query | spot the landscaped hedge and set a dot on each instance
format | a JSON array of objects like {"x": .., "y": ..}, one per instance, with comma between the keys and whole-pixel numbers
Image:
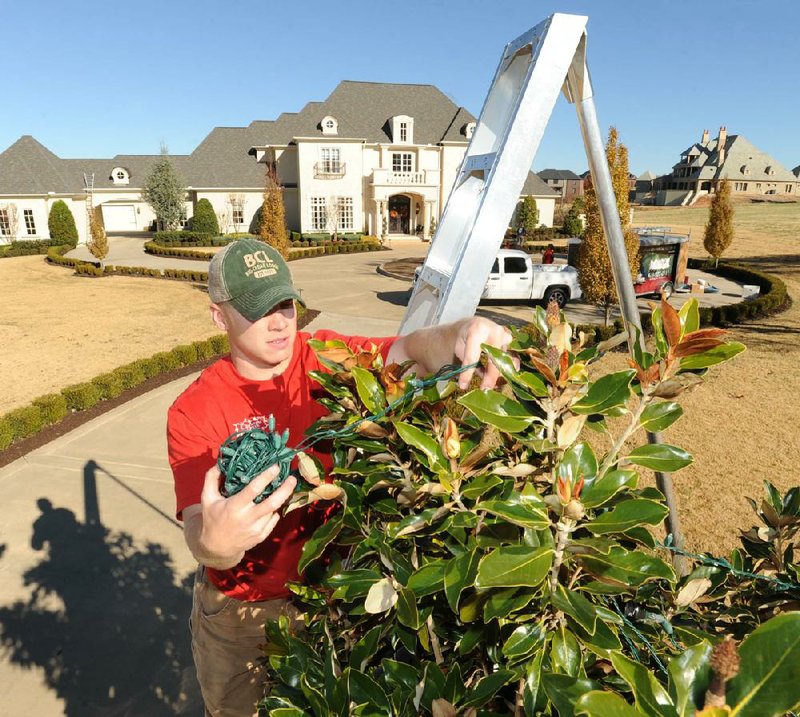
[
  {"x": 51, "y": 408},
  {"x": 183, "y": 238},
  {"x": 27, "y": 247},
  {"x": 344, "y": 247}
]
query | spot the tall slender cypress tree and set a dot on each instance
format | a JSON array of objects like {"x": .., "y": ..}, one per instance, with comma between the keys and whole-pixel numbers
[{"x": 719, "y": 229}]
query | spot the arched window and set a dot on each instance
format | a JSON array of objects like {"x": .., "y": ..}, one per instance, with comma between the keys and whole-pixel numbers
[
  {"x": 120, "y": 175},
  {"x": 329, "y": 125}
]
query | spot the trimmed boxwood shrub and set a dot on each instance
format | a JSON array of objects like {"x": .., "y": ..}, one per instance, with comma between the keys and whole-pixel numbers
[
  {"x": 81, "y": 396},
  {"x": 220, "y": 343},
  {"x": 53, "y": 407},
  {"x": 25, "y": 421},
  {"x": 166, "y": 361},
  {"x": 185, "y": 353},
  {"x": 204, "y": 350},
  {"x": 109, "y": 384},
  {"x": 27, "y": 247},
  {"x": 147, "y": 366},
  {"x": 130, "y": 376},
  {"x": 183, "y": 238},
  {"x": 6, "y": 433}
]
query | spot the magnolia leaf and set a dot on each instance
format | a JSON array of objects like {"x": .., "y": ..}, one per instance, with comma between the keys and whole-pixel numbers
[
  {"x": 370, "y": 429},
  {"x": 316, "y": 544},
  {"x": 768, "y": 682},
  {"x": 689, "y": 315},
  {"x": 693, "y": 590},
  {"x": 598, "y": 492},
  {"x": 628, "y": 514},
  {"x": 604, "y": 704},
  {"x": 650, "y": 697},
  {"x": 308, "y": 468},
  {"x": 713, "y": 356},
  {"x": 578, "y": 461},
  {"x": 428, "y": 579},
  {"x": 418, "y": 438},
  {"x": 623, "y": 568},
  {"x": 514, "y": 566},
  {"x": 520, "y": 470},
  {"x": 495, "y": 409},
  {"x": 687, "y": 672},
  {"x": 660, "y": 416},
  {"x": 407, "y": 613},
  {"x": 442, "y": 708},
  {"x": 520, "y": 513},
  {"x": 607, "y": 392},
  {"x": 458, "y": 575},
  {"x": 369, "y": 390},
  {"x": 660, "y": 457},
  {"x": 564, "y": 691},
  {"x": 351, "y": 584},
  {"x": 326, "y": 491},
  {"x": 487, "y": 688},
  {"x": 675, "y": 386},
  {"x": 381, "y": 597},
  {"x": 671, "y": 322},
  {"x": 569, "y": 430},
  {"x": 523, "y": 641}
]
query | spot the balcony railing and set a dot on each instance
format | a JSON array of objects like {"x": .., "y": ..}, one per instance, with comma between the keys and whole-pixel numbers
[
  {"x": 405, "y": 178},
  {"x": 329, "y": 170}
]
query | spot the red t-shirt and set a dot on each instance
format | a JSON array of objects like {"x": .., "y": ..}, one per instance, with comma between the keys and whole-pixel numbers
[{"x": 221, "y": 402}]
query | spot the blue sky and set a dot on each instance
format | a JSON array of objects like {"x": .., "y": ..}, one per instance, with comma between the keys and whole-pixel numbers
[{"x": 98, "y": 78}]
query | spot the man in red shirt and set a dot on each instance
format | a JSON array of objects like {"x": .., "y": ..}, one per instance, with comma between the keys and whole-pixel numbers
[{"x": 247, "y": 551}]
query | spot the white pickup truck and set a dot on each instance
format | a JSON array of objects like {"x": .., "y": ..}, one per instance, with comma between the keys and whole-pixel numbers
[{"x": 515, "y": 276}]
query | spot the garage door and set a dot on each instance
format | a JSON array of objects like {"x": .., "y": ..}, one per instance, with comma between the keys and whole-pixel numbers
[{"x": 119, "y": 217}]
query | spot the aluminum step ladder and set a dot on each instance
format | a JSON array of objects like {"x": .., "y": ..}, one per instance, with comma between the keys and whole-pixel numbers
[{"x": 548, "y": 59}]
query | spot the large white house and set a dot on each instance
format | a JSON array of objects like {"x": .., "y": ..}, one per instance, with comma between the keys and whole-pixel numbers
[{"x": 377, "y": 158}]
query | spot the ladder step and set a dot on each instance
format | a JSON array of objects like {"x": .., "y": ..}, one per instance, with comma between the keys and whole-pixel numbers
[{"x": 480, "y": 162}]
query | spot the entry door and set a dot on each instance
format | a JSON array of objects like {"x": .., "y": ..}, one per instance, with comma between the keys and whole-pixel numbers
[{"x": 399, "y": 214}]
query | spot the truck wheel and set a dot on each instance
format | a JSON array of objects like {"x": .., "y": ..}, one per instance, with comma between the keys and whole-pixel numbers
[{"x": 558, "y": 294}]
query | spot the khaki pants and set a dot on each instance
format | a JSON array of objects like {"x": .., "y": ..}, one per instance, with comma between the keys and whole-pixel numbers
[{"x": 228, "y": 647}]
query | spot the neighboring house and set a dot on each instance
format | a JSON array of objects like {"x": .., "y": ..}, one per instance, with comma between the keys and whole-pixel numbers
[
  {"x": 545, "y": 198},
  {"x": 645, "y": 188},
  {"x": 703, "y": 165},
  {"x": 564, "y": 181},
  {"x": 378, "y": 158}
]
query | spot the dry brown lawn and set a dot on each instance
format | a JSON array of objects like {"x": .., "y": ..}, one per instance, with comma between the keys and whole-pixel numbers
[
  {"x": 57, "y": 329},
  {"x": 741, "y": 426}
]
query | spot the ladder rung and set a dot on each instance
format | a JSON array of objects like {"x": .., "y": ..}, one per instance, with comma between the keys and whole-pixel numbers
[{"x": 480, "y": 162}]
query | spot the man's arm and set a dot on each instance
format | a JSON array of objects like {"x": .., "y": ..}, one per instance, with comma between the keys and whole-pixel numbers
[
  {"x": 433, "y": 347},
  {"x": 218, "y": 530}
]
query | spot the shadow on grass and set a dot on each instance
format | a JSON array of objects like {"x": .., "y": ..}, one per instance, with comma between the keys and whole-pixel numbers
[{"x": 105, "y": 621}]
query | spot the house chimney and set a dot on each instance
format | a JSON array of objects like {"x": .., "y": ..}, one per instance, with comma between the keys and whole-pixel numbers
[
  {"x": 723, "y": 137},
  {"x": 704, "y": 141}
]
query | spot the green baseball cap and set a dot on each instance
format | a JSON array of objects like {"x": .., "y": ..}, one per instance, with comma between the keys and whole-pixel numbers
[{"x": 252, "y": 276}]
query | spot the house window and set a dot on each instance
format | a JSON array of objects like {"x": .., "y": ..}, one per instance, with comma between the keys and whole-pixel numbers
[
  {"x": 30, "y": 224},
  {"x": 404, "y": 131},
  {"x": 402, "y": 162},
  {"x": 238, "y": 214},
  {"x": 330, "y": 160},
  {"x": 318, "y": 214},
  {"x": 345, "y": 213},
  {"x": 329, "y": 125},
  {"x": 119, "y": 175},
  {"x": 788, "y": 188},
  {"x": 5, "y": 224}
]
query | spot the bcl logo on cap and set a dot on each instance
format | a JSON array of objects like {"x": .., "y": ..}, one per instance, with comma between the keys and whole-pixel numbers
[{"x": 259, "y": 264}]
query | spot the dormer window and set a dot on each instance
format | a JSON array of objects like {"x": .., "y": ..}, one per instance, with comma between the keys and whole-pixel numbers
[
  {"x": 120, "y": 175},
  {"x": 745, "y": 169},
  {"x": 403, "y": 129},
  {"x": 330, "y": 125},
  {"x": 469, "y": 128},
  {"x": 769, "y": 170}
]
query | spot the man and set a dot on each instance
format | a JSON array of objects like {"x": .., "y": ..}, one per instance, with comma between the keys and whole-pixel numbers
[{"x": 247, "y": 552}]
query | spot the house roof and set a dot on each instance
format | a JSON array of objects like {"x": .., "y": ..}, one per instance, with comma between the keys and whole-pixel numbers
[
  {"x": 742, "y": 161},
  {"x": 535, "y": 187},
  {"x": 362, "y": 109},
  {"x": 558, "y": 174},
  {"x": 796, "y": 171},
  {"x": 646, "y": 176}
]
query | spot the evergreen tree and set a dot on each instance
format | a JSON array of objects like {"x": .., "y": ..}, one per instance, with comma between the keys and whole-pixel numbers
[
  {"x": 594, "y": 262},
  {"x": 273, "y": 219},
  {"x": 719, "y": 230},
  {"x": 164, "y": 192},
  {"x": 204, "y": 219},
  {"x": 573, "y": 226},
  {"x": 528, "y": 215},
  {"x": 61, "y": 224},
  {"x": 98, "y": 243}
]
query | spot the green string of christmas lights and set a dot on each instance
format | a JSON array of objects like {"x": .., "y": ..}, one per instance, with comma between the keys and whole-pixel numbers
[{"x": 246, "y": 454}]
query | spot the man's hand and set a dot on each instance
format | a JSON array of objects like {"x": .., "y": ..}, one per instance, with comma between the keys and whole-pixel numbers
[
  {"x": 435, "y": 346},
  {"x": 471, "y": 334},
  {"x": 230, "y": 526}
]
